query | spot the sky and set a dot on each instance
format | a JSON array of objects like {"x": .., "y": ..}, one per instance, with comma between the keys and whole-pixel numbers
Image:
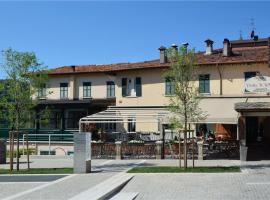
[{"x": 72, "y": 33}]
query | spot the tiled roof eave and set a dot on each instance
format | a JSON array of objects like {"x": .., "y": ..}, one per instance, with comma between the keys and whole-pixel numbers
[
  {"x": 110, "y": 71},
  {"x": 155, "y": 67},
  {"x": 233, "y": 62}
]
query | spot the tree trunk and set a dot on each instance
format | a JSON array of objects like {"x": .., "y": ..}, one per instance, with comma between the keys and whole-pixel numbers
[
  {"x": 185, "y": 145},
  {"x": 18, "y": 151},
  {"x": 185, "y": 136},
  {"x": 27, "y": 150},
  {"x": 11, "y": 150},
  {"x": 18, "y": 143},
  {"x": 179, "y": 149}
]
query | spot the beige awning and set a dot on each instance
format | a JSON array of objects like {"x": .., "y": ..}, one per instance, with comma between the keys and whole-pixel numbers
[{"x": 220, "y": 110}]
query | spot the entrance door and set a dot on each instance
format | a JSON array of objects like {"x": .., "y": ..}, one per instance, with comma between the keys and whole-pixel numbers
[{"x": 251, "y": 129}]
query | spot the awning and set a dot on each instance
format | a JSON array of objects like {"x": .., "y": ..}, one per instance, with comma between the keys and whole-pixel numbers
[
  {"x": 220, "y": 110},
  {"x": 118, "y": 114}
]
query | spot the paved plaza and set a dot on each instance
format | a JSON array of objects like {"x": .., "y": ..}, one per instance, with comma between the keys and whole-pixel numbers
[{"x": 252, "y": 183}]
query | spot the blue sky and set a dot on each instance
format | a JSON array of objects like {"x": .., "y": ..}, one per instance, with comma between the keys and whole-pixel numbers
[{"x": 68, "y": 33}]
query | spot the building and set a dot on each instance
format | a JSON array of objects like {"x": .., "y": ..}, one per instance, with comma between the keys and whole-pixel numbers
[{"x": 233, "y": 112}]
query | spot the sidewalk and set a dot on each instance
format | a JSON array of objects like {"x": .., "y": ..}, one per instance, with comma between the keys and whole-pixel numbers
[
  {"x": 256, "y": 180},
  {"x": 67, "y": 161}
]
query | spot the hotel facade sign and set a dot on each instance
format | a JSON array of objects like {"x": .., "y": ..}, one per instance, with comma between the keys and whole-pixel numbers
[{"x": 258, "y": 84}]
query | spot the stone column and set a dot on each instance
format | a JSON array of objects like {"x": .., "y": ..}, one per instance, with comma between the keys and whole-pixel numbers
[
  {"x": 200, "y": 150},
  {"x": 3, "y": 148},
  {"x": 159, "y": 149},
  {"x": 82, "y": 152},
  {"x": 118, "y": 149},
  {"x": 242, "y": 138}
]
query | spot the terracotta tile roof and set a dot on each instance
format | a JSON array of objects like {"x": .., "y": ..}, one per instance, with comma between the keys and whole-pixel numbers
[
  {"x": 108, "y": 67},
  {"x": 240, "y": 55}
]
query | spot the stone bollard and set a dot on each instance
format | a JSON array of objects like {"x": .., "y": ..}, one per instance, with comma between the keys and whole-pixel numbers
[
  {"x": 82, "y": 152},
  {"x": 118, "y": 149},
  {"x": 159, "y": 149},
  {"x": 3, "y": 148},
  {"x": 200, "y": 150}
]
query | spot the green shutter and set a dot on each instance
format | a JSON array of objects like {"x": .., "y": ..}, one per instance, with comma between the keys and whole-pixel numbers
[
  {"x": 207, "y": 84},
  {"x": 124, "y": 87},
  {"x": 138, "y": 87},
  {"x": 204, "y": 83},
  {"x": 167, "y": 89}
]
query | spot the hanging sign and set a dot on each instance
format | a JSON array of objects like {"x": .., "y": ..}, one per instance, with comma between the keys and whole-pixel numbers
[{"x": 258, "y": 84}]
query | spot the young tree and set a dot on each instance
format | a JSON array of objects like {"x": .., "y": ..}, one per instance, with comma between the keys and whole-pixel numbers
[
  {"x": 24, "y": 77},
  {"x": 184, "y": 104}
]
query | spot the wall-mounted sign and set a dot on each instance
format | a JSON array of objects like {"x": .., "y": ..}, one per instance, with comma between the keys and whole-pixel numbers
[{"x": 258, "y": 84}]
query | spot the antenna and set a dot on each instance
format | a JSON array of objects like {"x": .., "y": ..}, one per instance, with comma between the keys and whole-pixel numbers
[
  {"x": 240, "y": 35},
  {"x": 253, "y": 28},
  {"x": 252, "y": 24}
]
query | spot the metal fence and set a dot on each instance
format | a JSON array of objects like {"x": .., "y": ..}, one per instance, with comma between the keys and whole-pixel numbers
[
  {"x": 46, "y": 138},
  {"x": 103, "y": 150},
  {"x": 138, "y": 151}
]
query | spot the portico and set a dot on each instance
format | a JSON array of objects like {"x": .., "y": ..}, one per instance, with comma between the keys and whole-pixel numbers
[{"x": 254, "y": 130}]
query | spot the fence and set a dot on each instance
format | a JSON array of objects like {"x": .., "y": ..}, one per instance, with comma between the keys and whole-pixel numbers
[
  {"x": 46, "y": 137},
  {"x": 138, "y": 151},
  {"x": 103, "y": 150},
  {"x": 221, "y": 150},
  {"x": 172, "y": 150},
  {"x": 151, "y": 150}
]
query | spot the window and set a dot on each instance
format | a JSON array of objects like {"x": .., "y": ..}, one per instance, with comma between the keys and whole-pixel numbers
[
  {"x": 110, "y": 89},
  {"x": 132, "y": 87},
  {"x": 53, "y": 121},
  {"x": 138, "y": 86},
  {"x": 73, "y": 117},
  {"x": 249, "y": 75},
  {"x": 169, "y": 86},
  {"x": 131, "y": 125},
  {"x": 204, "y": 83},
  {"x": 42, "y": 91},
  {"x": 86, "y": 89},
  {"x": 63, "y": 90},
  {"x": 47, "y": 153}
]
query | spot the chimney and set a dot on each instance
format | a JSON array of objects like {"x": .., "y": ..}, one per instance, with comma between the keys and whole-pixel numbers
[
  {"x": 73, "y": 68},
  {"x": 174, "y": 51},
  {"x": 185, "y": 46},
  {"x": 209, "y": 47},
  {"x": 162, "y": 54},
  {"x": 175, "y": 47},
  {"x": 227, "y": 51}
]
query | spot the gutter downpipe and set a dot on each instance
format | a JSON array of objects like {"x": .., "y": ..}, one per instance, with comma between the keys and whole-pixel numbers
[{"x": 221, "y": 80}]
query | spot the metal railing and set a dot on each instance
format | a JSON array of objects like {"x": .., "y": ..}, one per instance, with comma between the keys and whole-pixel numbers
[{"x": 49, "y": 139}]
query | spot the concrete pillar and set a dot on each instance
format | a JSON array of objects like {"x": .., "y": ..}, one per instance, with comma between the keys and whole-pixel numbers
[
  {"x": 159, "y": 149},
  {"x": 118, "y": 149},
  {"x": 82, "y": 152},
  {"x": 200, "y": 150},
  {"x": 3, "y": 148}
]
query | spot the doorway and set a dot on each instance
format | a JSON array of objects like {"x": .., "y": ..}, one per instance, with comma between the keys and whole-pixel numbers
[
  {"x": 257, "y": 130},
  {"x": 251, "y": 130}
]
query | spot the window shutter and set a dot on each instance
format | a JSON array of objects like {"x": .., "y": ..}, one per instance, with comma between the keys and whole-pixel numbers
[
  {"x": 167, "y": 90},
  {"x": 124, "y": 87},
  {"x": 201, "y": 84},
  {"x": 207, "y": 84},
  {"x": 138, "y": 87}
]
